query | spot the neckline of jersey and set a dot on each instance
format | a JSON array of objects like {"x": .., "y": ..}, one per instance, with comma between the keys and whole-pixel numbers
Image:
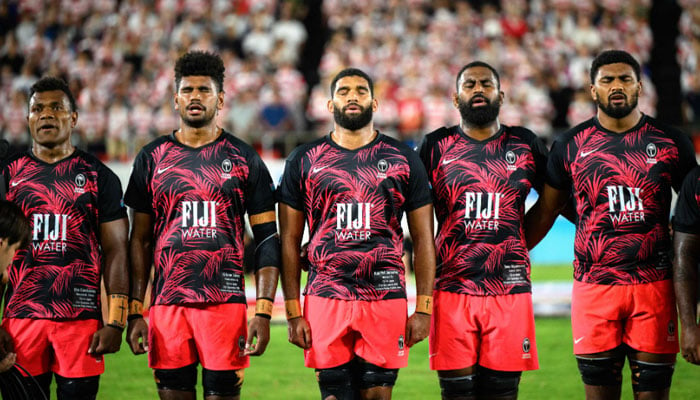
[
  {"x": 39, "y": 160},
  {"x": 368, "y": 145},
  {"x": 639, "y": 124},
  {"x": 178, "y": 143},
  {"x": 487, "y": 140}
]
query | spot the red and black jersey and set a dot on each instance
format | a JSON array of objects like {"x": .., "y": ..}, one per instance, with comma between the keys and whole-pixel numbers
[
  {"x": 479, "y": 192},
  {"x": 687, "y": 215},
  {"x": 198, "y": 198},
  {"x": 58, "y": 276},
  {"x": 353, "y": 201},
  {"x": 621, "y": 185}
]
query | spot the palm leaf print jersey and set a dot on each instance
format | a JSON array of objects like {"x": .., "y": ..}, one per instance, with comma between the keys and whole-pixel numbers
[
  {"x": 479, "y": 191},
  {"x": 58, "y": 276},
  {"x": 353, "y": 201},
  {"x": 621, "y": 185},
  {"x": 198, "y": 198}
]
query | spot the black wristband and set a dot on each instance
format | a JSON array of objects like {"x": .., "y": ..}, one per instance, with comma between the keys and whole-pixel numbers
[
  {"x": 117, "y": 327},
  {"x": 263, "y": 315},
  {"x": 132, "y": 317}
]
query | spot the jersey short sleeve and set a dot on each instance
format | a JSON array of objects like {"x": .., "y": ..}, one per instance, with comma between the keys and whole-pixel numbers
[
  {"x": 687, "y": 216},
  {"x": 109, "y": 196},
  {"x": 260, "y": 189},
  {"x": 418, "y": 194},
  {"x": 556, "y": 173},
  {"x": 138, "y": 195},
  {"x": 289, "y": 190}
]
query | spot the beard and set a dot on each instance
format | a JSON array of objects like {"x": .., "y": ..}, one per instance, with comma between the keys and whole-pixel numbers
[
  {"x": 199, "y": 121},
  {"x": 620, "y": 111},
  {"x": 352, "y": 122},
  {"x": 478, "y": 116}
]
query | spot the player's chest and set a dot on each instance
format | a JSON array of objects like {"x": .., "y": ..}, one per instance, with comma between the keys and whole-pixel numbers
[
  {"x": 224, "y": 174},
  {"x": 50, "y": 188}
]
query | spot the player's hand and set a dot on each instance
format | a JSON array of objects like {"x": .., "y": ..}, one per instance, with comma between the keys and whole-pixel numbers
[
  {"x": 690, "y": 344},
  {"x": 258, "y": 336},
  {"x": 7, "y": 362},
  {"x": 299, "y": 332},
  {"x": 417, "y": 328},
  {"x": 7, "y": 345},
  {"x": 137, "y": 335},
  {"x": 106, "y": 340}
]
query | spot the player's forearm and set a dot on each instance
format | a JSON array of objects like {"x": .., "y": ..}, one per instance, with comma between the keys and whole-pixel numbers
[
  {"x": 266, "y": 282},
  {"x": 424, "y": 265},
  {"x": 685, "y": 276},
  {"x": 291, "y": 268},
  {"x": 114, "y": 237},
  {"x": 141, "y": 252}
]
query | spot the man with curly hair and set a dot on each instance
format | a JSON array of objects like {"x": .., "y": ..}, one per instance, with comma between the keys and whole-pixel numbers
[{"x": 189, "y": 192}]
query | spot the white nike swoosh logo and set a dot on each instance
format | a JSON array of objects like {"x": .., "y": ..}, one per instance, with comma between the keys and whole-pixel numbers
[
  {"x": 445, "y": 162},
  {"x": 585, "y": 153},
  {"x": 161, "y": 170},
  {"x": 578, "y": 340},
  {"x": 315, "y": 170},
  {"x": 15, "y": 183}
]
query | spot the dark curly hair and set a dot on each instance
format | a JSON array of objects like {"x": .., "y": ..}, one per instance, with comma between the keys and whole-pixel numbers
[
  {"x": 475, "y": 64},
  {"x": 613, "y": 57},
  {"x": 200, "y": 63},
  {"x": 50, "y": 83},
  {"x": 352, "y": 72}
]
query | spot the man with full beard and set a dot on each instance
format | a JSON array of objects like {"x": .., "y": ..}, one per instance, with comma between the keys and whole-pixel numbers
[
  {"x": 189, "y": 192},
  {"x": 620, "y": 167},
  {"x": 482, "y": 334},
  {"x": 352, "y": 187}
]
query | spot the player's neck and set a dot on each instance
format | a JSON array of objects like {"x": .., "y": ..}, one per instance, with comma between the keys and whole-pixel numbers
[
  {"x": 619, "y": 125},
  {"x": 352, "y": 140},
  {"x": 197, "y": 137},
  {"x": 480, "y": 132},
  {"x": 52, "y": 154}
]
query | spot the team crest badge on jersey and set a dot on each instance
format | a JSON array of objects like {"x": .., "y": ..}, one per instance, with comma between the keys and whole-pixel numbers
[
  {"x": 80, "y": 181},
  {"x": 651, "y": 153},
  {"x": 226, "y": 166},
  {"x": 510, "y": 159},
  {"x": 401, "y": 345},
  {"x": 526, "y": 348},
  {"x": 382, "y": 166}
]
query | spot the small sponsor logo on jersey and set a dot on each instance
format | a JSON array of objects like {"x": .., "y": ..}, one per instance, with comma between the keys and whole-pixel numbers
[
  {"x": 651, "y": 151},
  {"x": 318, "y": 169},
  {"x": 482, "y": 210},
  {"x": 198, "y": 219},
  {"x": 382, "y": 166},
  {"x": 15, "y": 183},
  {"x": 49, "y": 232},
  {"x": 526, "y": 345},
  {"x": 577, "y": 340},
  {"x": 588, "y": 153},
  {"x": 625, "y": 204},
  {"x": 401, "y": 345},
  {"x": 353, "y": 221},
  {"x": 161, "y": 170},
  {"x": 510, "y": 159},
  {"x": 80, "y": 182},
  {"x": 241, "y": 344},
  {"x": 226, "y": 166},
  {"x": 445, "y": 162}
]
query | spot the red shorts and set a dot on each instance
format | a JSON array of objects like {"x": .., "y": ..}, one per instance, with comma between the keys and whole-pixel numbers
[
  {"x": 43, "y": 346},
  {"x": 213, "y": 335},
  {"x": 496, "y": 332},
  {"x": 341, "y": 330},
  {"x": 642, "y": 316}
]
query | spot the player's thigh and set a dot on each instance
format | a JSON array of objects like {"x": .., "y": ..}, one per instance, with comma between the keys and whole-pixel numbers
[
  {"x": 597, "y": 316},
  {"x": 381, "y": 328},
  {"x": 220, "y": 334},
  {"x": 170, "y": 339},
  {"x": 651, "y": 326},
  {"x": 454, "y": 333},
  {"x": 32, "y": 346},
  {"x": 508, "y": 333},
  {"x": 70, "y": 341},
  {"x": 332, "y": 341}
]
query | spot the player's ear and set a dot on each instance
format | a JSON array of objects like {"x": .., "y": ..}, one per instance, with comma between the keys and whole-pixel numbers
[
  {"x": 594, "y": 95},
  {"x": 375, "y": 105},
  {"x": 220, "y": 102},
  {"x": 73, "y": 119},
  {"x": 330, "y": 106},
  {"x": 455, "y": 100}
]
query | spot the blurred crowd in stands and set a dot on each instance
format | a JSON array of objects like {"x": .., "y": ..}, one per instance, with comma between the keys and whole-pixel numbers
[{"x": 117, "y": 56}]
